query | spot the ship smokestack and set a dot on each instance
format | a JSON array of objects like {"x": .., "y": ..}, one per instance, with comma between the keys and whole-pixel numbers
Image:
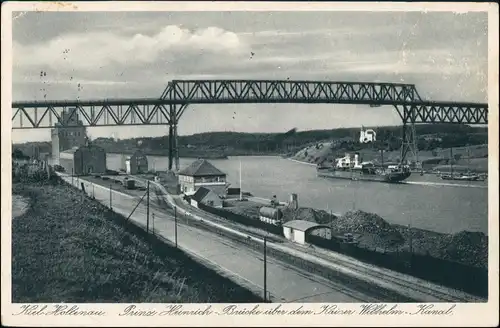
[{"x": 294, "y": 201}]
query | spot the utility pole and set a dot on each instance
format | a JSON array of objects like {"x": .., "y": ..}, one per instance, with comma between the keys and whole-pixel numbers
[
  {"x": 411, "y": 238},
  {"x": 153, "y": 218},
  {"x": 265, "y": 269},
  {"x": 175, "y": 223},
  {"x": 46, "y": 162},
  {"x": 147, "y": 209},
  {"x": 71, "y": 176},
  {"x": 110, "y": 196},
  {"x": 411, "y": 243},
  {"x": 331, "y": 225}
]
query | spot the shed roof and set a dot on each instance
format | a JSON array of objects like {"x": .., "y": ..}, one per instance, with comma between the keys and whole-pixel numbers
[
  {"x": 200, "y": 168},
  {"x": 303, "y": 225},
  {"x": 200, "y": 194}
]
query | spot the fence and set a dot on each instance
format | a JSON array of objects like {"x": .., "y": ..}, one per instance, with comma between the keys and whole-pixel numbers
[
  {"x": 242, "y": 219},
  {"x": 163, "y": 246},
  {"x": 440, "y": 271}
]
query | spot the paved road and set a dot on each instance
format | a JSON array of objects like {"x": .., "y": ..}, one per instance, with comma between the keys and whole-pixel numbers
[{"x": 285, "y": 284}]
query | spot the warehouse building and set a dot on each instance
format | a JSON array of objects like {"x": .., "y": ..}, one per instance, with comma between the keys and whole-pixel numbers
[
  {"x": 199, "y": 174},
  {"x": 137, "y": 163},
  {"x": 68, "y": 136},
  {"x": 206, "y": 197},
  {"x": 83, "y": 160},
  {"x": 298, "y": 230}
]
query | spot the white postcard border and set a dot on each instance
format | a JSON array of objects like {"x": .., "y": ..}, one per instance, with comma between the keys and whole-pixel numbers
[{"x": 479, "y": 314}]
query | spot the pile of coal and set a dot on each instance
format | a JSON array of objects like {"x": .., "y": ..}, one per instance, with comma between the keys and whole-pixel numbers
[
  {"x": 308, "y": 214},
  {"x": 361, "y": 223},
  {"x": 466, "y": 247}
]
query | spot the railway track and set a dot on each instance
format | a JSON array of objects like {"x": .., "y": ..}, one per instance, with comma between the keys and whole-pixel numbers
[
  {"x": 410, "y": 288},
  {"x": 405, "y": 285}
]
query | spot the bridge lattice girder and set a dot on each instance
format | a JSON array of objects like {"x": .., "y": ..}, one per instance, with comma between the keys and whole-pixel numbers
[
  {"x": 92, "y": 113},
  {"x": 180, "y": 93},
  {"x": 443, "y": 112},
  {"x": 285, "y": 91}
]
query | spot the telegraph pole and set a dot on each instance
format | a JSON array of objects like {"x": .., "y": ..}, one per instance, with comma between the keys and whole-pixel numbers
[
  {"x": 265, "y": 269},
  {"x": 175, "y": 222},
  {"x": 153, "y": 218},
  {"x": 110, "y": 196},
  {"x": 411, "y": 243},
  {"x": 147, "y": 210},
  {"x": 331, "y": 225},
  {"x": 411, "y": 238}
]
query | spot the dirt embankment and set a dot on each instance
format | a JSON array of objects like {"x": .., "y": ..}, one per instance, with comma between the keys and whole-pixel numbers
[{"x": 72, "y": 249}]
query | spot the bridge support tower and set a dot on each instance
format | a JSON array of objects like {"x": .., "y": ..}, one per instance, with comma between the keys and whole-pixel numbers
[
  {"x": 409, "y": 147},
  {"x": 175, "y": 113}
]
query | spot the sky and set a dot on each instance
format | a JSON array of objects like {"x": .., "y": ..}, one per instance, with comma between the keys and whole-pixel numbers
[{"x": 134, "y": 54}]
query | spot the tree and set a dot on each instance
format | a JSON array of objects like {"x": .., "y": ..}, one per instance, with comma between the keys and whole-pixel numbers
[{"x": 18, "y": 154}]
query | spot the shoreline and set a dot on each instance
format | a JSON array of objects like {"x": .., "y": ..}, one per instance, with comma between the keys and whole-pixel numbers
[
  {"x": 300, "y": 162},
  {"x": 417, "y": 183},
  {"x": 166, "y": 155}
]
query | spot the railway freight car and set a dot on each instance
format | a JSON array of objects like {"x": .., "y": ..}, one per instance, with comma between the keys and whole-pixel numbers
[{"x": 271, "y": 215}]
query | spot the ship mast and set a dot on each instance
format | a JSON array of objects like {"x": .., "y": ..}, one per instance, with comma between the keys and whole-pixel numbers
[
  {"x": 451, "y": 161},
  {"x": 241, "y": 190},
  {"x": 468, "y": 159}
]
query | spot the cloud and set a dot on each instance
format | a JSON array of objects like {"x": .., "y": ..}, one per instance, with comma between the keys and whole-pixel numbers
[
  {"x": 444, "y": 55},
  {"x": 83, "y": 51}
]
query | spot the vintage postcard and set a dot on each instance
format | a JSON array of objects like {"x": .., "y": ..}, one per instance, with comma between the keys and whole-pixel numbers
[{"x": 249, "y": 164}]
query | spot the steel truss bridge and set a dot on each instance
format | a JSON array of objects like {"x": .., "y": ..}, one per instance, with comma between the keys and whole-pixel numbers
[{"x": 179, "y": 94}]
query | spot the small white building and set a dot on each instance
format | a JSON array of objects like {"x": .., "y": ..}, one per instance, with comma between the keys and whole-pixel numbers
[
  {"x": 297, "y": 230},
  {"x": 367, "y": 136}
]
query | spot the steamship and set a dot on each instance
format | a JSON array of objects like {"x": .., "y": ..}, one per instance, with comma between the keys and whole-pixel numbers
[{"x": 350, "y": 167}]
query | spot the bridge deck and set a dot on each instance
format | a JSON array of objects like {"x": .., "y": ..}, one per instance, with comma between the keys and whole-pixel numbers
[{"x": 169, "y": 107}]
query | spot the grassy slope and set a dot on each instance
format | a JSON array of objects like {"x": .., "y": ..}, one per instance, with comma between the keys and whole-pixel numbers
[{"x": 65, "y": 248}]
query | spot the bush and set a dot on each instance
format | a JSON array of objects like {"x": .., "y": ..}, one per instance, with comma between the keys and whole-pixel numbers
[{"x": 31, "y": 173}]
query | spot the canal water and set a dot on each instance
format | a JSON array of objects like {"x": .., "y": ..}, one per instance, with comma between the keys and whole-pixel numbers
[{"x": 426, "y": 203}]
